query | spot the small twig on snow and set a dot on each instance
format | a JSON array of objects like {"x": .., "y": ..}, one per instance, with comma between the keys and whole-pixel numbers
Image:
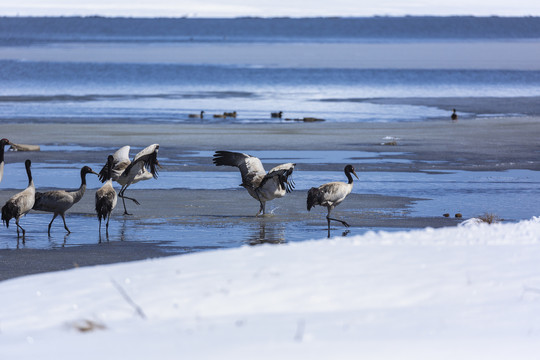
[{"x": 128, "y": 299}]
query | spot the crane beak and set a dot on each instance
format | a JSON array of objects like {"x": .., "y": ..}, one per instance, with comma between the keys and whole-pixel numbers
[{"x": 355, "y": 175}]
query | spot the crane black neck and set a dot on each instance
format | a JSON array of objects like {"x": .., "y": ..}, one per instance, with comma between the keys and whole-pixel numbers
[
  {"x": 2, "y": 152},
  {"x": 84, "y": 171},
  {"x": 28, "y": 171},
  {"x": 349, "y": 177}
]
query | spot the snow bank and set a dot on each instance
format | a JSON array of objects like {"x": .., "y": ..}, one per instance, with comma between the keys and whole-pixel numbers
[{"x": 453, "y": 293}]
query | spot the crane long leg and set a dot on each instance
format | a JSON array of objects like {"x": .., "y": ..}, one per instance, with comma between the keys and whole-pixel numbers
[
  {"x": 328, "y": 218},
  {"x": 65, "y": 225},
  {"x": 261, "y": 209},
  {"x": 99, "y": 232},
  {"x": 19, "y": 226},
  {"x": 341, "y": 221},
  {"x": 121, "y": 194},
  {"x": 132, "y": 199},
  {"x": 50, "y": 224},
  {"x": 107, "y": 226},
  {"x": 125, "y": 210}
]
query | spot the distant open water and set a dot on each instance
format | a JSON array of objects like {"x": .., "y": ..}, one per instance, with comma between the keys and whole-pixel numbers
[
  {"x": 23, "y": 31},
  {"x": 145, "y": 90}
]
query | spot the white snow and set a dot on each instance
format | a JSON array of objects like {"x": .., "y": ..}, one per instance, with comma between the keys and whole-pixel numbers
[{"x": 470, "y": 292}]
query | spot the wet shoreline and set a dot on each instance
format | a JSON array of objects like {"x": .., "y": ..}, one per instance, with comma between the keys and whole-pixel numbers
[
  {"x": 192, "y": 220},
  {"x": 196, "y": 221}
]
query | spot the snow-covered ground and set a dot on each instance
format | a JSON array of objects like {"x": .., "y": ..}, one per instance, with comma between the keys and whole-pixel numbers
[{"x": 468, "y": 292}]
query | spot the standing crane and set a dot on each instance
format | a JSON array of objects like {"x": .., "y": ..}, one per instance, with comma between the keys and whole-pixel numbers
[
  {"x": 3, "y": 143},
  {"x": 331, "y": 195},
  {"x": 21, "y": 203},
  {"x": 126, "y": 172},
  {"x": 60, "y": 201},
  {"x": 106, "y": 197},
  {"x": 261, "y": 185}
]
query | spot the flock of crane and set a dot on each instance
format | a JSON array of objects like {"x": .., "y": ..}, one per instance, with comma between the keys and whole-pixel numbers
[{"x": 261, "y": 185}]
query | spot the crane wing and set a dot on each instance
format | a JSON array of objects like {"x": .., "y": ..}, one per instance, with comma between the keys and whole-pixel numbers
[
  {"x": 120, "y": 163},
  {"x": 281, "y": 173},
  {"x": 121, "y": 154},
  {"x": 146, "y": 151},
  {"x": 52, "y": 200},
  {"x": 105, "y": 174},
  {"x": 148, "y": 158},
  {"x": 251, "y": 168},
  {"x": 334, "y": 192}
]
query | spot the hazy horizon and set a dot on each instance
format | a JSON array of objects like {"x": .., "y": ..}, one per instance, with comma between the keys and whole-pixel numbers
[
  {"x": 267, "y": 17},
  {"x": 260, "y": 8}
]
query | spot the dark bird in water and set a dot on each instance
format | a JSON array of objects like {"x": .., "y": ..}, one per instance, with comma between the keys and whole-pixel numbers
[
  {"x": 261, "y": 185},
  {"x": 21, "y": 203},
  {"x": 106, "y": 197},
  {"x": 197, "y": 116},
  {"x": 454, "y": 115},
  {"x": 225, "y": 115},
  {"x": 3, "y": 143},
  {"x": 126, "y": 172},
  {"x": 60, "y": 201},
  {"x": 331, "y": 195},
  {"x": 277, "y": 114}
]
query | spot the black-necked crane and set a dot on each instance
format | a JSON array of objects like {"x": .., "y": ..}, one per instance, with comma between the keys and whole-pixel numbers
[
  {"x": 3, "y": 143},
  {"x": 261, "y": 185},
  {"x": 278, "y": 114},
  {"x": 60, "y": 201},
  {"x": 331, "y": 195},
  {"x": 126, "y": 172},
  {"x": 106, "y": 197},
  {"x": 197, "y": 116},
  {"x": 454, "y": 116},
  {"x": 21, "y": 203}
]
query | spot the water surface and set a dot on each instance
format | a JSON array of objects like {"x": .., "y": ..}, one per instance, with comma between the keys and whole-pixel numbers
[{"x": 161, "y": 70}]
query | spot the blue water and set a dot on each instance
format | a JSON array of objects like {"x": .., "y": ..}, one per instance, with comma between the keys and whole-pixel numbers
[
  {"x": 137, "y": 70},
  {"x": 22, "y": 31},
  {"x": 511, "y": 194}
]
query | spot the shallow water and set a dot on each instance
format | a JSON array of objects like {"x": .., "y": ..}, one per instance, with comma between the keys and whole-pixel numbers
[
  {"x": 314, "y": 156},
  {"x": 508, "y": 194},
  {"x": 55, "y": 173},
  {"x": 173, "y": 236}
]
